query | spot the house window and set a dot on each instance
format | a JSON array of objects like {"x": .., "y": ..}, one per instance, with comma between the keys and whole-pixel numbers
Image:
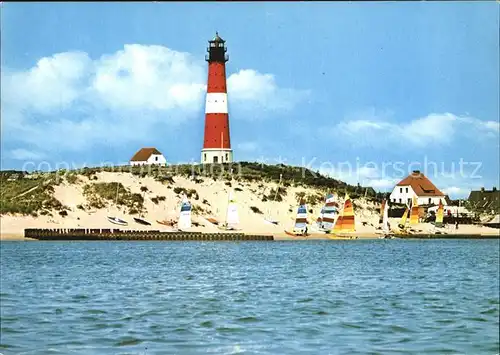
[
  {"x": 430, "y": 200},
  {"x": 401, "y": 190},
  {"x": 408, "y": 201},
  {"x": 156, "y": 158},
  {"x": 406, "y": 190},
  {"x": 400, "y": 200}
]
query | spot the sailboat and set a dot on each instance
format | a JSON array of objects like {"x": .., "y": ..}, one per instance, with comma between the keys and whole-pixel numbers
[
  {"x": 300, "y": 226},
  {"x": 184, "y": 221},
  {"x": 268, "y": 218},
  {"x": 345, "y": 222},
  {"x": 382, "y": 208},
  {"x": 414, "y": 212},
  {"x": 167, "y": 222},
  {"x": 402, "y": 223},
  {"x": 438, "y": 223},
  {"x": 386, "y": 229},
  {"x": 232, "y": 218},
  {"x": 439, "y": 215},
  {"x": 327, "y": 215},
  {"x": 114, "y": 219}
]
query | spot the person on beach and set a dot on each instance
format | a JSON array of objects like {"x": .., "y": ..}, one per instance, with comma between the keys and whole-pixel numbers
[
  {"x": 305, "y": 232},
  {"x": 456, "y": 224}
]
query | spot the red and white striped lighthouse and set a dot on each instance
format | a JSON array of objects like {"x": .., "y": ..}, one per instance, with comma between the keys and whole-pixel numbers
[{"x": 217, "y": 143}]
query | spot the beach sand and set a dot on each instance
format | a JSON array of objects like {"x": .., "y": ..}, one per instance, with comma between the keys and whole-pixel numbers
[{"x": 213, "y": 192}]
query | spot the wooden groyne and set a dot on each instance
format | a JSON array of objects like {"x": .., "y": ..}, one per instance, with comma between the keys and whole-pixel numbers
[{"x": 118, "y": 234}]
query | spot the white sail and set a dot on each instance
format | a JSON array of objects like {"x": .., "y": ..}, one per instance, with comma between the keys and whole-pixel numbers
[
  {"x": 232, "y": 217},
  {"x": 385, "y": 219},
  {"x": 185, "y": 215}
]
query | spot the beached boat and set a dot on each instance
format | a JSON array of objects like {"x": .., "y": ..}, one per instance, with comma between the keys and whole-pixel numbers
[
  {"x": 184, "y": 222},
  {"x": 142, "y": 221},
  {"x": 300, "y": 226},
  {"x": 117, "y": 220},
  {"x": 232, "y": 218},
  {"x": 328, "y": 214},
  {"x": 345, "y": 222},
  {"x": 170, "y": 223},
  {"x": 114, "y": 219}
]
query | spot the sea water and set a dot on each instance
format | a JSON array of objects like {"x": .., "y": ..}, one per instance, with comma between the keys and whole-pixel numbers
[{"x": 312, "y": 297}]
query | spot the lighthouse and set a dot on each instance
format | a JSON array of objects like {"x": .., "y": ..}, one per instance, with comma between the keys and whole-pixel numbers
[{"x": 216, "y": 142}]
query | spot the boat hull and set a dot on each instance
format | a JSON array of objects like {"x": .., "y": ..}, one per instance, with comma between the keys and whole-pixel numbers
[
  {"x": 142, "y": 221},
  {"x": 116, "y": 220}
]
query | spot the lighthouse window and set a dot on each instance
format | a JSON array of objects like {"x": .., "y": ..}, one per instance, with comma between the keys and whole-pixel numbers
[{"x": 226, "y": 157}]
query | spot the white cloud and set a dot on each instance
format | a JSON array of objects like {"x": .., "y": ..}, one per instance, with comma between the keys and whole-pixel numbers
[
  {"x": 250, "y": 89},
  {"x": 24, "y": 154},
  {"x": 454, "y": 190},
  {"x": 434, "y": 128},
  {"x": 70, "y": 101}
]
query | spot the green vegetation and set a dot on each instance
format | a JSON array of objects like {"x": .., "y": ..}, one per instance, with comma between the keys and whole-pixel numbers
[
  {"x": 188, "y": 192},
  {"x": 16, "y": 196},
  {"x": 157, "y": 199},
  {"x": 198, "y": 210},
  {"x": 28, "y": 196},
  {"x": 255, "y": 210},
  {"x": 99, "y": 195},
  {"x": 72, "y": 178}
]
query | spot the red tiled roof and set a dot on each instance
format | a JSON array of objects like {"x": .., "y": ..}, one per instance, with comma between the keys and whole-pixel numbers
[
  {"x": 420, "y": 184},
  {"x": 144, "y": 154}
]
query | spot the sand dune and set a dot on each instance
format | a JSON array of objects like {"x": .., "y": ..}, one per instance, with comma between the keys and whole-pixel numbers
[{"x": 212, "y": 198}]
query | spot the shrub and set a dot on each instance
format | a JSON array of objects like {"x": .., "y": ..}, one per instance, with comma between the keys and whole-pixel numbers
[
  {"x": 144, "y": 189},
  {"x": 228, "y": 183},
  {"x": 238, "y": 189},
  {"x": 63, "y": 213},
  {"x": 72, "y": 178},
  {"x": 165, "y": 179},
  {"x": 256, "y": 210}
]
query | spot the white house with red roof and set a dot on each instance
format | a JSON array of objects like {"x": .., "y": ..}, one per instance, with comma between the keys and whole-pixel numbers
[
  {"x": 417, "y": 185},
  {"x": 148, "y": 156}
]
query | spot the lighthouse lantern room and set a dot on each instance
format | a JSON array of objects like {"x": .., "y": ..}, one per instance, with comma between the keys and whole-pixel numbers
[{"x": 217, "y": 142}]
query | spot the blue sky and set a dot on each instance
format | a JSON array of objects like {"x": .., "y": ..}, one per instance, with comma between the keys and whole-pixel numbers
[{"x": 313, "y": 83}]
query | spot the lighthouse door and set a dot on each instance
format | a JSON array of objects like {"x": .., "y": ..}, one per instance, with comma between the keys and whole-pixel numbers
[{"x": 216, "y": 159}]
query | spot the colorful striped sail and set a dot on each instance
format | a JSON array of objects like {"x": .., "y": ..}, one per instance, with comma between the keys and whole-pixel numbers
[
  {"x": 440, "y": 215},
  {"x": 328, "y": 213},
  {"x": 301, "y": 217},
  {"x": 402, "y": 223},
  {"x": 345, "y": 221},
  {"x": 232, "y": 217},
  {"x": 185, "y": 215},
  {"x": 414, "y": 212},
  {"x": 382, "y": 208}
]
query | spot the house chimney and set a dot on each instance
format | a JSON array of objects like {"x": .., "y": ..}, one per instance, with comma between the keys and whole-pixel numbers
[
  {"x": 494, "y": 188},
  {"x": 482, "y": 189},
  {"x": 416, "y": 172}
]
